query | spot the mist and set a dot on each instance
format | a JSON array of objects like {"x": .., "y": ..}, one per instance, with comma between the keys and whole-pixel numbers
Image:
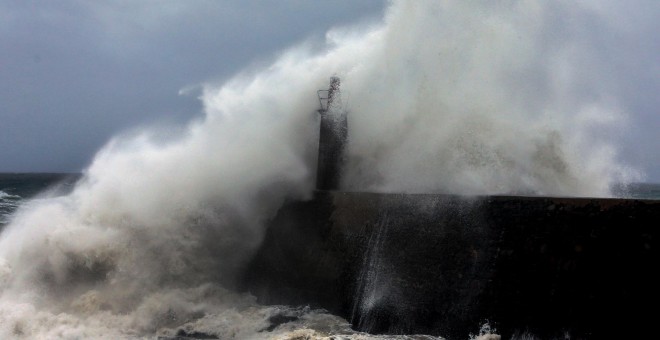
[{"x": 470, "y": 98}]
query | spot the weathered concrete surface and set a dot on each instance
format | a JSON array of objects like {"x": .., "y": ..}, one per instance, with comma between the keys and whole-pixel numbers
[{"x": 443, "y": 265}]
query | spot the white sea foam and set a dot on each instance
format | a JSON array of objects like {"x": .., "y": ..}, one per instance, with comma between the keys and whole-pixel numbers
[
  {"x": 451, "y": 96},
  {"x": 8, "y": 203},
  {"x": 4, "y": 195}
]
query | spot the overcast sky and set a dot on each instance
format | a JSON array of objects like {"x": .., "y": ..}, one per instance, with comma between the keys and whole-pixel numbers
[{"x": 75, "y": 73}]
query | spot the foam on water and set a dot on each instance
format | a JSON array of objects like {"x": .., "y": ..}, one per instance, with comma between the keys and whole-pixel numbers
[
  {"x": 8, "y": 203},
  {"x": 5, "y": 196},
  {"x": 452, "y": 96}
]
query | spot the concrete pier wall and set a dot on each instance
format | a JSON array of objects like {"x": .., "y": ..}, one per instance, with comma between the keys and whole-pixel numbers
[{"x": 444, "y": 265}]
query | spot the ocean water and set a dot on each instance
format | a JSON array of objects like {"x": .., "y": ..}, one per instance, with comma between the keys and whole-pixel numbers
[
  {"x": 15, "y": 188},
  {"x": 234, "y": 315},
  {"x": 204, "y": 311},
  {"x": 641, "y": 191},
  {"x": 460, "y": 97}
]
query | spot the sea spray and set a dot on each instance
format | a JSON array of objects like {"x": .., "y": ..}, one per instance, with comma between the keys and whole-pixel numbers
[
  {"x": 480, "y": 98},
  {"x": 147, "y": 220},
  {"x": 453, "y": 96}
]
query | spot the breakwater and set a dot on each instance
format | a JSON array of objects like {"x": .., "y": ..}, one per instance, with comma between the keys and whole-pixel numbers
[{"x": 444, "y": 265}]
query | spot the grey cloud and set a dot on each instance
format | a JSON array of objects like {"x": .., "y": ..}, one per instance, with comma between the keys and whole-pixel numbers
[{"x": 74, "y": 73}]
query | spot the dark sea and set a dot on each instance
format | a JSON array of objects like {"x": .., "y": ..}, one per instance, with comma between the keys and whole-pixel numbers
[
  {"x": 16, "y": 188},
  {"x": 231, "y": 312}
]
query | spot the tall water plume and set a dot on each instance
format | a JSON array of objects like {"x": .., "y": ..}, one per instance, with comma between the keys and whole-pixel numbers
[
  {"x": 459, "y": 97},
  {"x": 480, "y": 98}
]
